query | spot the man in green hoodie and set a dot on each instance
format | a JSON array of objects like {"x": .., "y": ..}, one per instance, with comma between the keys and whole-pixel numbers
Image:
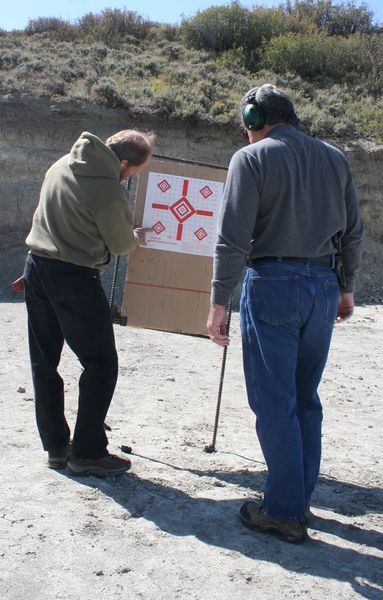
[{"x": 82, "y": 218}]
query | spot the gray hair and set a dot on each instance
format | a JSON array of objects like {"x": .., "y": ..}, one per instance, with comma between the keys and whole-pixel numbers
[
  {"x": 275, "y": 104},
  {"x": 131, "y": 145}
]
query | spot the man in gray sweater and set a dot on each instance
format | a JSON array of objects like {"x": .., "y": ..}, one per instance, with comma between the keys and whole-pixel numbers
[{"x": 289, "y": 200}]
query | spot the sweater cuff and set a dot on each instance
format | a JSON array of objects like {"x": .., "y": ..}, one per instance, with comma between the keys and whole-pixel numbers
[
  {"x": 220, "y": 297},
  {"x": 350, "y": 283}
]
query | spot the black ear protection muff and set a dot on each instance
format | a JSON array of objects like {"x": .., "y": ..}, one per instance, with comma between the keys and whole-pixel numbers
[{"x": 253, "y": 117}]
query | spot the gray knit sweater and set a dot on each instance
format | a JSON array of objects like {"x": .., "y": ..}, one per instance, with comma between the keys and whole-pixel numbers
[{"x": 286, "y": 195}]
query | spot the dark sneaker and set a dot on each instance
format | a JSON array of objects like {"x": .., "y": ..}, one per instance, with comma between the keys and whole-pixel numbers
[
  {"x": 253, "y": 516},
  {"x": 107, "y": 465},
  {"x": 58, "y": 457}
]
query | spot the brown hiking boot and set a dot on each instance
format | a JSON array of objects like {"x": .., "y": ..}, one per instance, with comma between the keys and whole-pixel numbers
[
  {"x": 253, "y": 516},
  {"x": 58, "y": 457},
  {"x": 107, "y": 465}
]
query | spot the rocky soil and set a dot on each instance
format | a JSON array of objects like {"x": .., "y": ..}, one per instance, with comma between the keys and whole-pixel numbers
[{"x": 169, "y": 528}]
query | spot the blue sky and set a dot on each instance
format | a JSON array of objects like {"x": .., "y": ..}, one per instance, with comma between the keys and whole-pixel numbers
[{"x": 15, "y": 15}]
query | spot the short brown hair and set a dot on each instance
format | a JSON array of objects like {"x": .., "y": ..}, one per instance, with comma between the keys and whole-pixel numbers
[{"x": 131, "y": 145}]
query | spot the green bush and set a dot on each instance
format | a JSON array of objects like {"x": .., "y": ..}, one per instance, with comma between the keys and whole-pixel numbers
[
  {"x": 31, "y": 67},
  {"x": 219, "y": 28},
  {"x": 264, "y": 24},
  {"x": 114, "y": 27},
  {"x": 55, "y": 88},
  {"x": 223, "y": 28},
  {"x": 318, "y": 56},
  {"x": 57, "y": 28},
  {"x": 374, "y": 49},
  {"x": 172, "y": 51},
  {"x": 336, "y": 82},
  {"x": 105, "y": 90},
  {"x": 165, "y": 104},
  {"x": 164, "y": 32},
  {"x": 9, "y": 60},
  {"x": 370, "y": 122},
  {"x": 334, "y": 19}
]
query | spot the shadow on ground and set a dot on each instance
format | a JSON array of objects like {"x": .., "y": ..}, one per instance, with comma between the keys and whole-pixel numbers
[{"x": 216, "y": 522}]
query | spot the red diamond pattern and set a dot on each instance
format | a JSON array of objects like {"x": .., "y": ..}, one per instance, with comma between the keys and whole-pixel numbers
[
  {"x": 158, "y": 228},
  {"x": 164, "y": 185},
  {"x": 182, "y": 210},
  {"x": 206, "y": 191},
  {"x": 200, "y": 233}
]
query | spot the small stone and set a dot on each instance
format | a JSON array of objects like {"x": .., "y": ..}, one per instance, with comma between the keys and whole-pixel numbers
[
  {"x": 124, "y": 570},
  {"x": 21, "y": 389},
  {"x": 99, "y": 573},
  {"x": 170, "y": 379}
]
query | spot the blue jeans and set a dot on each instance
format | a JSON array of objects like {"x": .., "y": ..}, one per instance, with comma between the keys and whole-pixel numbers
[
  {"x": 288, "y": 310},
  {"x": 66, "y": 301}
]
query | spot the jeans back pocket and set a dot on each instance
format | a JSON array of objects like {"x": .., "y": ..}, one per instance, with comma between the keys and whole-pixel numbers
[{"x": 275, "y": 298}]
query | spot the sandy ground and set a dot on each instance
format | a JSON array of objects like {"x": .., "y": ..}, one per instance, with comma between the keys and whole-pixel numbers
[{"x": 169, "y": 529}]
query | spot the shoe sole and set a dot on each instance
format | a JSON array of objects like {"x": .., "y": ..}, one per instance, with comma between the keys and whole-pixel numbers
[
  {"x": 97, "y": 472},
  {"x": 60, "y": 461},
  {"x": 56, "y": 465},
  {"x": 273, "y": 531}
]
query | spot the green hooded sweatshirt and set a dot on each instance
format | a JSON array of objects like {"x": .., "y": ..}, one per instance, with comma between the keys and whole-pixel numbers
[{"x": 83, "y": 214}]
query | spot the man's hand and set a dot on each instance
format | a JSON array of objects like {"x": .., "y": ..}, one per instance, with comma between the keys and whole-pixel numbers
[
  {"x": 18, "y": 284},
  {"x": 216, "y": 325},
  {"x": 140, "y": 233},
  {"x": 345, "y": 306}
]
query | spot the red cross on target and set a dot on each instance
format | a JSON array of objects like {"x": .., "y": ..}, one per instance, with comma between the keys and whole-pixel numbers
[{"x": 182, "y": 209}]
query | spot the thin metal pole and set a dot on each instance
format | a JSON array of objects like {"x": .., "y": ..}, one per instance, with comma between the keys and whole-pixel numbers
[
  {"x": 117, "y": 260},
  {"x": 211, "y": 447},
  {"x": 114, "y": 280},
  {"x": 113, "y": 289},
  {"x": 189, "y": 161}
]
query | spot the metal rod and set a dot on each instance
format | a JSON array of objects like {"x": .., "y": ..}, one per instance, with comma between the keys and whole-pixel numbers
[
  {"x": 113, "y": 288},
  {"x": 211, "y": 447},
  {"x": 114, "y": 280},
  {"x": 117, "y": 258},
  {"x": 190, "y": 162}
]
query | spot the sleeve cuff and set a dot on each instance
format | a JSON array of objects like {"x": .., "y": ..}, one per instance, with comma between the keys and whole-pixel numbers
[{"x": 219, "y": 297}]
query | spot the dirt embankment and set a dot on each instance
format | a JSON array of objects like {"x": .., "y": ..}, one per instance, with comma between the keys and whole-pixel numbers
[{"x": 35, "y": 132}]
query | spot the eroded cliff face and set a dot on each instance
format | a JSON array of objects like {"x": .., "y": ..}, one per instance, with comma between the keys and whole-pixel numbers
[
  {"x": 367, "y": 166},
  {"x": 35, "y": 132}
]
